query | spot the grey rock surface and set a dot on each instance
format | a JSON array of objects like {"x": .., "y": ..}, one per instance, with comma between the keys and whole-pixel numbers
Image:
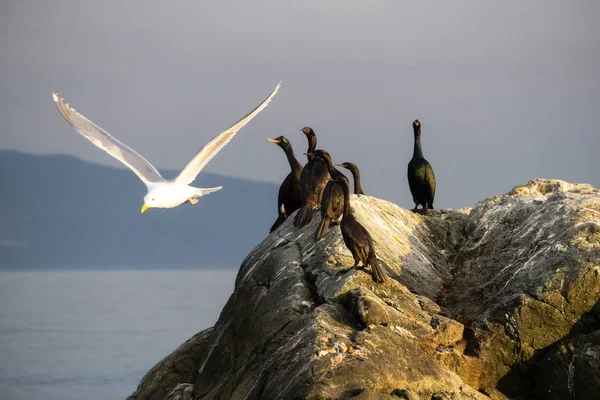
[{"x": 500, "y": 301}]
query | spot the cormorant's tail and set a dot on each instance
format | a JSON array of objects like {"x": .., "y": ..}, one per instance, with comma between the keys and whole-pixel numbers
[
  {"x": 303, "y": 216},
  {"x": 278, "y": 222},
  {"x": 379, "y": 274},
  {"x": 323, "y": 227}
]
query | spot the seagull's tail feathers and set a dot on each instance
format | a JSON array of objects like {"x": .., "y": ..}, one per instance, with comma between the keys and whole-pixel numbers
[{"x": 204, "y": 191}]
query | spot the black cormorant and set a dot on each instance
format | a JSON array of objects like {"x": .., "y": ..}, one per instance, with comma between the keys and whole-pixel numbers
[
  {"x": 357, "y": 238},
  {"x": 421, "y": 178},
  {"x": 313, "y": 179},
  {"x": 332, "y": 202},
  {"x": 355, "y": 174},
  {"x": 289, "y": 199}
]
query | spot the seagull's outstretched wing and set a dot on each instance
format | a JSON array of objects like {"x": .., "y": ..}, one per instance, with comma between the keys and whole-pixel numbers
[
  {"x": 210, "y": 149},
  {"x": 102, "y": 139}
]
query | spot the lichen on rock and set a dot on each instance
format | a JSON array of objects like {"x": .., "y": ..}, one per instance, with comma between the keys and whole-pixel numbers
[{"x": 499, "y": 301}]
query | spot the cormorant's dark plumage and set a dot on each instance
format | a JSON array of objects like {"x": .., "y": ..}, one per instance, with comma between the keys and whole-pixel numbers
[
  {"x": 421, "y": 178},
  {"x": 357, "y": 238},
  {"x": 313, "y": 179},
  {"x": 355, "y": 174},
  {"x": 332, "y": 202},
  {"x": 289, "y": 199}
]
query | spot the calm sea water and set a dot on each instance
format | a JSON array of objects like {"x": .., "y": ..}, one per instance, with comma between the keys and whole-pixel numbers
[{"x": 93, "y": 335}]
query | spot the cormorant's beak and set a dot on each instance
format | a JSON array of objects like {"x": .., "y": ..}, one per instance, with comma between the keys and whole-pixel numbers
[
  {"x": 339, "y": 165},
  {"x": 274, "y": 140},
  {"x": 144, "y": 208}
]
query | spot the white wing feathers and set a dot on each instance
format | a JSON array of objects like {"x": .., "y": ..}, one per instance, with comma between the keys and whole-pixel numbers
[
  {"x": 102, "y": 139},
  {"x": 138, "y": 164},
  {"x": 210, "y": 149}
]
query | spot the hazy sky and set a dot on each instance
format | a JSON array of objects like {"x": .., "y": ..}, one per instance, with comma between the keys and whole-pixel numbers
[{"x": 505, "y": 92}]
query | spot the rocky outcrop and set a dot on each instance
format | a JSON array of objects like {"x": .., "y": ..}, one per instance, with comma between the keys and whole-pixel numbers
[{"x": 501, "y": 301}]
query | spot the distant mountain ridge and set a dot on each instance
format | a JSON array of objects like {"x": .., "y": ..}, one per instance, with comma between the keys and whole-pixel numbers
[{"x": 59, "y": 211}]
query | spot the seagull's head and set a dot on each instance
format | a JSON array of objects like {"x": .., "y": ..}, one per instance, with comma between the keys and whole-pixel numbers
[
  {"x": 160, "y": 196},
  {"x": 149, "y": 202}
]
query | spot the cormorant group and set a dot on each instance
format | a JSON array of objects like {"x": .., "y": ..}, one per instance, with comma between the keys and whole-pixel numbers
[{"x": 320, "y": 183}]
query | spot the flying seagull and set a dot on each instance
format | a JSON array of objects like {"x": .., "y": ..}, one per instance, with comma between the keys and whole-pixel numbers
[{"x": 162, "y": 193}]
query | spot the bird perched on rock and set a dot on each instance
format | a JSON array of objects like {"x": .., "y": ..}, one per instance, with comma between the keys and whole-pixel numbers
[
  {"x": 313, "y": 179},
  {"x": 421, "y": 178},
  {"x": 332, "y": 202},
  {"x": 355, "y": 174},
  {"x": 357, "y": 238},
  {"x": 289, "y": 199},
  {"x": 162, "y": 193}
]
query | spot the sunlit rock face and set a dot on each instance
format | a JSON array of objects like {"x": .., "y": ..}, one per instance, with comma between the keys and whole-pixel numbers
[{"x": 499, "y": 301}]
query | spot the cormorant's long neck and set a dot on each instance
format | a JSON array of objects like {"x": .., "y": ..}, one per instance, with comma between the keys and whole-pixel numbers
[
  {"x": 312, "y": 143},
  {"x": 294, "y": 164},
  {"x": 356, "y": 176},
  {"x": 347, "y": 209},
  {"x": 418, "y": 151},
  {"x": 329, "y": 164}
]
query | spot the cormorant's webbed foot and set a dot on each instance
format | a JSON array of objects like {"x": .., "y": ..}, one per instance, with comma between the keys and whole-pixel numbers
[
  {"x": 346, "y": 270},
  {"x": 354, "y": 267}
]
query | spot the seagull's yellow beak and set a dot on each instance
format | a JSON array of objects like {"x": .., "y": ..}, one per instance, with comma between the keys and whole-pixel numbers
[{"x": 144, "y": 208}]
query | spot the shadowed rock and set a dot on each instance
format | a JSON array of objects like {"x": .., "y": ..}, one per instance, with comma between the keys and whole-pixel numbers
[{"x": 499, "y": 301}]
